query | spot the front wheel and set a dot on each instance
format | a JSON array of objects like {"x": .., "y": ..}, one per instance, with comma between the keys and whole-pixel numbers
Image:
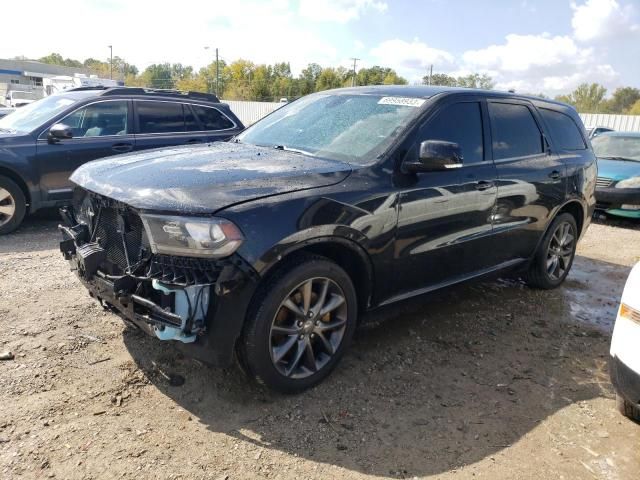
[
  {"x": 555, "y": 254},
  {"x": 299, "y": 325},
  {"x": 13, "y": 205}
]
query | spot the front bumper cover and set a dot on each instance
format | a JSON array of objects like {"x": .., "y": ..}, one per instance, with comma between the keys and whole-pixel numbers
[
  {"x": 625, "y": 380},
  {"x": 230, "y": 297},
  {"x": 615, "y": 197}
]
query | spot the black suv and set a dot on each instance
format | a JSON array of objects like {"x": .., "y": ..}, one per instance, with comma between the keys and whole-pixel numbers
[
  {"x": 273, "y": 245},
  {"x": 42, "y": 143}
]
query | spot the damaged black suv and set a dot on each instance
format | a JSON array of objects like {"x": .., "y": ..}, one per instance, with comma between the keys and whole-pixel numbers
[{"x": 270, "y": 248}]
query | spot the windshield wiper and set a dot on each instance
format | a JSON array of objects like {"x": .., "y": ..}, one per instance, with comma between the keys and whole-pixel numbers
[
  {"x": 624, "y": 159},
  {"x": 294, "y": 150}
]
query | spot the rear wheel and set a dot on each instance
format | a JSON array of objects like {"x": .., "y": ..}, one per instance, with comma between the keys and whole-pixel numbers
[
  {"x": 627, "y": 409},
  {"x": 554, "y": 257},
  {"x": 299, "y": 325},
  {"x": 13, "y": 205}
]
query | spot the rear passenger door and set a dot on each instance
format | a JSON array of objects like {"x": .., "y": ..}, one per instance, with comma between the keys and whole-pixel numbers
[
  {"x": 531, "y": 179},
  {"x": 161, "y": 123}
]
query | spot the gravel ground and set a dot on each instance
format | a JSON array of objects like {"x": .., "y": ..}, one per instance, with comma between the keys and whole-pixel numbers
[{"x": 486, "y": 380}]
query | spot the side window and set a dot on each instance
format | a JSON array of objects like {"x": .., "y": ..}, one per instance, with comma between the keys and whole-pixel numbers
[
  {"x": 564, "y": 130},
  {"x": 99, "y": 120},
  {"x": 190, "y": 120},
  {"x": 460, "y": 123},
  {"x": 514, "y": 130},
  {"x": 160, "y": 117},
  {"x": 212, "y": 118}
]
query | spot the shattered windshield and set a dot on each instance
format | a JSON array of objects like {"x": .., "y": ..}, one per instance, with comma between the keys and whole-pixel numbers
[{"x": 351, "y": 128}]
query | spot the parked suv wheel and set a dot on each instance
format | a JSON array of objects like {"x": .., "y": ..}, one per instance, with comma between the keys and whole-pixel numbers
[
  {"x": 13, "y": 205},
  {"x": 555, "y": 254},
  {"x": 299, "y": 325}
]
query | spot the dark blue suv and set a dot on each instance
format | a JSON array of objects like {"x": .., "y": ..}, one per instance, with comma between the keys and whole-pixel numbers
[{"x": 41, "y": 144}]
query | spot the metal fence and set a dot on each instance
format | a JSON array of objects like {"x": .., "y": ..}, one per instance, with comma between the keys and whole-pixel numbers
[
  {"x": 250, "y": 112},
  {"x": 623, "y": 123}
]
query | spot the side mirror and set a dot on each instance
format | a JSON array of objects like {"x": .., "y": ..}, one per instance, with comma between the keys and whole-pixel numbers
[
  {"x": 59, "y": 131},
  {"x": 436, "y": 155}
]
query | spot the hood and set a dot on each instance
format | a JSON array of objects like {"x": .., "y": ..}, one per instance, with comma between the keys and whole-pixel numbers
[
  {"x": 618, "y": 169},
  {"x": 206, "y": 178}
]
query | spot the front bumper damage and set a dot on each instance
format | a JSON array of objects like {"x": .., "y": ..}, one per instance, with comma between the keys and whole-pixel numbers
[
  {"x": 199, "y": 305},
  {"x": 617, "y": 200}
]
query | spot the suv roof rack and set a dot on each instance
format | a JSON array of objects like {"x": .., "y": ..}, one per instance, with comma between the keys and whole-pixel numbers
[
  {"x": 159, "y": 91},
  {"x": 108, "y": 91}
]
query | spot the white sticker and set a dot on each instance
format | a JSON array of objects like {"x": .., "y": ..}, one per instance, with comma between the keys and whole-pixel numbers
[{"x": 402, "y": 101}]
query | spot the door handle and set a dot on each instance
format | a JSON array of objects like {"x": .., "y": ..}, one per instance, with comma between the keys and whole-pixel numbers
[
  {"x": 554, "y": 175},
  {"x": 122, "y": 147},
  {"x": 484, "y": 185}
]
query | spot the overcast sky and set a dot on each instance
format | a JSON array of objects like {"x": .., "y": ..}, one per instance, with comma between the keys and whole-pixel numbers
[{"x": 534, "y": 46}]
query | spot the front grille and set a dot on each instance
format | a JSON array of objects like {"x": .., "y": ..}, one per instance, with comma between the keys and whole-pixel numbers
[
  {"x": 603, "y": 182},
  {"x": 111, "y": 222},
  {"x": 185, "y": 270}
]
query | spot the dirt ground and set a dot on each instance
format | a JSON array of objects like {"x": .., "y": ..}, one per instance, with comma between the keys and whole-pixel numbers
[{"x": 488, "y": 380}]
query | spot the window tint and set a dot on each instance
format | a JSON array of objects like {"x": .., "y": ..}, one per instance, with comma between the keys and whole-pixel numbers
[
  {"x": 564, "y": 130},
  {"x": 190, "y": 120},
  {"x": 98, "y": 120},
  {"x": 211, "y": 118},
  {"x": 160, "y": 117},
  {"x": 515, "y": 132},
  {"x": 460, "y": 123}
]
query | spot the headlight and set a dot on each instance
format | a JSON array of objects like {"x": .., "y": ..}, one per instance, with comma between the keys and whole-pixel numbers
[
  {"x": 633, "y": 182},
  {"x": 192, "y": 236}
]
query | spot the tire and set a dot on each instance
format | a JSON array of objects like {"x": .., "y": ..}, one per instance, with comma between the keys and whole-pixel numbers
[
  {"x": 540, "y": 273},
  {"x": 274, "y": 347},
  {"x": 13, "y": 205},
  {"x": 627, "y": 409}
]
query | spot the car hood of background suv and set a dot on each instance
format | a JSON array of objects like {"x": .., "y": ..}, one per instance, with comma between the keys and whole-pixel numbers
[{"x": 204, "y": 179}]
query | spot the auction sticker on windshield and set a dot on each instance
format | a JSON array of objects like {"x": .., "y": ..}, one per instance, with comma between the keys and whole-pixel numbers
[{"x": 403, "y": 101}]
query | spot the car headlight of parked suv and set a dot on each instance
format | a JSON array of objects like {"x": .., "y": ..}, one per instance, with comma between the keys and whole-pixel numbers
[
  {"x": 192, "y": 236},
  {"x": 633, "y": 182}
]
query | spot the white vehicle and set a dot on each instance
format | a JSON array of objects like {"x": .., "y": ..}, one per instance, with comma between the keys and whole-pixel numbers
[
  {"x": 19, "y": 98},
  {"x": 61, "y": 83},
  {"x": 625, "y": 349}
]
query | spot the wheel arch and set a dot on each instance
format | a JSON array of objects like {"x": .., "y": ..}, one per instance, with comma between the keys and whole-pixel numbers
[
  {"x": 12, "y": 175},
  {"x": 577, "y": 210},
  {"x": 348, "y": 254}
]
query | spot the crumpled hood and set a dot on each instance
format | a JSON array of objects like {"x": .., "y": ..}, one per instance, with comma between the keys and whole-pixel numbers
[{"x": 205, "y": 178}]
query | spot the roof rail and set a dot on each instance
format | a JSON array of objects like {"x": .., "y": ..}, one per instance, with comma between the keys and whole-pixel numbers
[{"x": 158, "y": 91}]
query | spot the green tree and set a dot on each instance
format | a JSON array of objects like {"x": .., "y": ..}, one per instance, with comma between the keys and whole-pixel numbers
[
  {"x": 309, "y": 78},
  {"x": 329, "y": 78},
  {"x": 56, "y": 59},
  {"x": 441, "y": 79},
  {"x": 622, "y": 100},
  {"x": 587, "y": 98},
  {"x": 635, "y": 108},
  {"x": 377, "y": 75},
  {"x": 476, "y": 80}
]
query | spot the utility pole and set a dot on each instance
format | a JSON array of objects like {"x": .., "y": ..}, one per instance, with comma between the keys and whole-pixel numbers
[
  {"x": 111, "y": 62},
  {"x": 217, "y": 73},
  {"x": 353, "y": 79},
  {"x": 430, "y": 73}
]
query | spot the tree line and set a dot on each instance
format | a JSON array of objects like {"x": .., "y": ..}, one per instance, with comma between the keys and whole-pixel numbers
[{"x": 246, "y": 80}]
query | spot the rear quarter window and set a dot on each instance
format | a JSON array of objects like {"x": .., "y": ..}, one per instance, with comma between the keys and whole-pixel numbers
[{"x": 564, "y": 131}]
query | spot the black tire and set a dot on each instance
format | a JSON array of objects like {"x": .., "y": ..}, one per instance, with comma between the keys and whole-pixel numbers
[
  {"x": 627, "y": 409},
  {"x": 15, "y": 200},
  {"x": 538, "y": 275},
  {"x": 256, "y": 346}
]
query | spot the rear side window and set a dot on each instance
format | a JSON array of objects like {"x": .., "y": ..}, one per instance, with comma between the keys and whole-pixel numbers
[
  {"x": 212, "y": 118},
  {"x": 460, "y": 123},
  {"x": 564, "y": 130},
  {"x": 160, "y": 117},
  {"x": 514, "y": 130}
]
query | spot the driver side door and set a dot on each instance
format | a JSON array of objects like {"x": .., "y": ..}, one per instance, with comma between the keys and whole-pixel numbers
[{"x": 100, "y": 129}]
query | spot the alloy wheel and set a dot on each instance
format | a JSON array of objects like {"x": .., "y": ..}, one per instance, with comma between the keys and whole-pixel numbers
[
  {"x": 7, "y": 206},
  {"x": 560, "y": 251},
  {"x": 308, "y": 328}
]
